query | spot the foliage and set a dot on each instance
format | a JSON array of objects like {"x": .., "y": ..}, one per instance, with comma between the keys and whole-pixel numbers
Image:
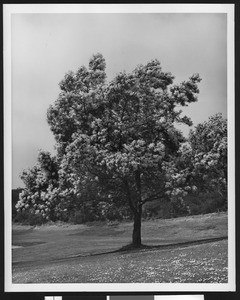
[
  {"x": 209, "y": 143},
  {"x": 119, "y": 134},
  {"x": 41, "y": 193},
  {"x": 49, "y": 196},
  {"x": 15, "y": 199},
  {"x": 201, "y": 164},
  {"x": 113, "y": 140},
  {"x": 204, "y": 203},
  {"x": 27, "y": 217}
]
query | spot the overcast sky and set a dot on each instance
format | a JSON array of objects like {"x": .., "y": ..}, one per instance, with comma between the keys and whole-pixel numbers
[{"x": 46, "y": 46}]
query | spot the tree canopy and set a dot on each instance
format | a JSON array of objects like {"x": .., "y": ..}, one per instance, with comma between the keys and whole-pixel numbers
[
  {"x": 201, "y": 163},
  {"x": 116, "y": 137},
  {"x": 120, "y": 131}
]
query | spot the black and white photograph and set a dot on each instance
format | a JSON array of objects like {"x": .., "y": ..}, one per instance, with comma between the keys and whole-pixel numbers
[{"x": 119, "y": 147}]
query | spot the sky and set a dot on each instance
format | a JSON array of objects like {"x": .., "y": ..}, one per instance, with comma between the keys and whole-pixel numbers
[{"x": 46, "y": 46}]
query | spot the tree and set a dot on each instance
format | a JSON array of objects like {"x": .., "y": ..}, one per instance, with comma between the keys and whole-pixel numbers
[
  {"x": 48, "y": 193},
  {"x": 41, "y": 187},
  {"x": 119, "y": 134},
  {"x": 201, "y": 163},
  {"x": 113, "y": 141}
]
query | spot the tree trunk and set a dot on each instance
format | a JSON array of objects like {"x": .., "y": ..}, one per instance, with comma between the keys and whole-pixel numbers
[
  {"x": 136, "y": 236},
  {"x": 137, "y": 213}
]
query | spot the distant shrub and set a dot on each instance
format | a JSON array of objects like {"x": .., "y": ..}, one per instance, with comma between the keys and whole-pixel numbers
[
  {"x": 28, "y": 218},
  {"x": 76, "y": 218},
  {"x": 24, "y": 217},
  {"x": 91, "y": 211},
  {"x": 109, "y": 211},
  {"x": 195, "y": 204},
  {"x": 15, "y": 198},
  {"x": 157, "y": 209},
  {"x": 205, "y": 203}
]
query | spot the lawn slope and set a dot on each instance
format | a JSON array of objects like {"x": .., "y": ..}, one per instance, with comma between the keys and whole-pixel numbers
[{"x": 67, "y": 253}]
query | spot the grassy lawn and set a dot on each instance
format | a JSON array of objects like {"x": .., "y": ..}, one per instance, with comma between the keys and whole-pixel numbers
[
  {"x": 60, "y": 253},
  {"x": 205, "y": 263}
]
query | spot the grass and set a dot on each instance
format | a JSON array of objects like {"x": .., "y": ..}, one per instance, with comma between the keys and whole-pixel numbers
[
  {"x": 205, "y": 263},
  {"x": 60, "y": 253}
]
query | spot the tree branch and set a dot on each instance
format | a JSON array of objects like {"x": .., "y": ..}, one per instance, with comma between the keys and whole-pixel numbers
[{"x": 153, "y": 197}]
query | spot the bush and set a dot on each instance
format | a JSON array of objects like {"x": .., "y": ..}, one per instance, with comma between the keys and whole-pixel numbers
[
  {"x": 205, "y": 203},
  {"x": 28, "y": 218},
  {"x": 202, "y": 203},
  {"x": 76, "y": 218},
  {"x": 157, "y": 209},
  {"x": 15, "y": 198}
]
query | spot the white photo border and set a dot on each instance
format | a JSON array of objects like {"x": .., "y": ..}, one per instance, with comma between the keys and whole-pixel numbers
[{"x": 8, "y": 10}]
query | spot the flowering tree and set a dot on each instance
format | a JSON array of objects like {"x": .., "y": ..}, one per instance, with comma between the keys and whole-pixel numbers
[
  {"x": 41, "y": 187},
  {"x": 115, "y": 140},
  {"x": 50, "y": 195},
  {"x": 201, "y": 163},
  {"x": 118, "y": 135}
]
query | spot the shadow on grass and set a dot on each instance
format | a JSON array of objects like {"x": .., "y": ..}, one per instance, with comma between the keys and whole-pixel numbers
[
  {"x": 130, "y": 248},
  {"x": 28, "y": 244}
]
